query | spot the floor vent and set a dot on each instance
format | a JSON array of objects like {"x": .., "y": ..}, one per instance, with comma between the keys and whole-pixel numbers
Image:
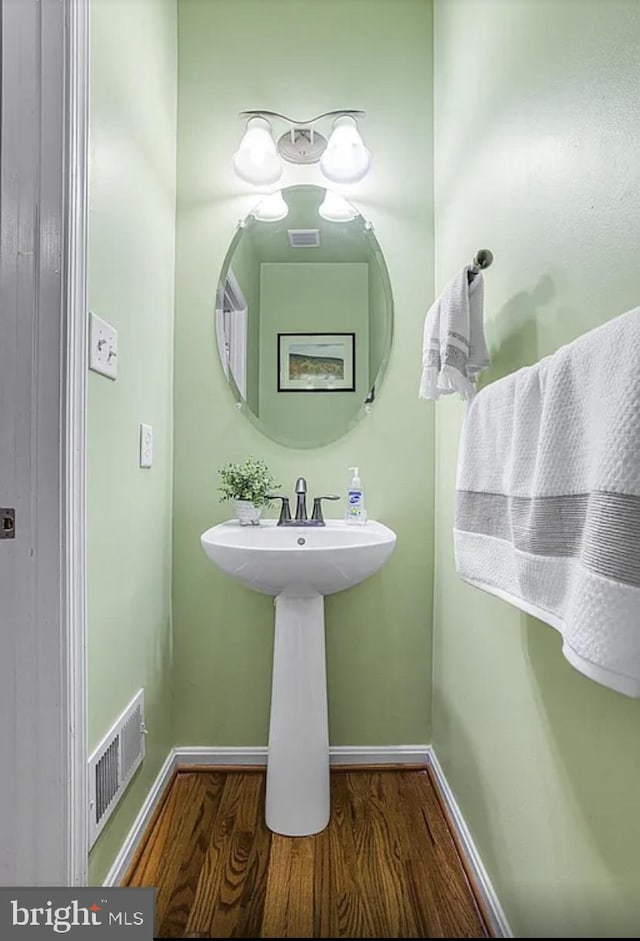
[
  {"x": 304, "y": 238},
  {"x": 113, "y": 764}
]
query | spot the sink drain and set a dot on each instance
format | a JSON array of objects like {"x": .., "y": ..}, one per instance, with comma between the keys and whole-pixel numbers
[{"x": 301, "y": 541}]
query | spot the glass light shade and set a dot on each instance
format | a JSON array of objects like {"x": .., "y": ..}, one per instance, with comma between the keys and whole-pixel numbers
[
  {"x": 272, "y": 209},
  {"x": 346, "y": 159},
  {"x": 256, "y": 159},
  {"x": 335, "y": 208}
]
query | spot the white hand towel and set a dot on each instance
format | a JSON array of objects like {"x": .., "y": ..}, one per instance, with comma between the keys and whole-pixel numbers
[
  {"x": 454, "y": 351},
  {"x": 548, "y": 498}
]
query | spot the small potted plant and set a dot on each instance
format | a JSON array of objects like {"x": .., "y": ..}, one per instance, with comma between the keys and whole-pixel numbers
[{"x": 249, "y": 485}]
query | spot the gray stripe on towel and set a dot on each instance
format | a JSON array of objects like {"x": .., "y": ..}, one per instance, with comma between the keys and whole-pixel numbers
[
  {"x": 601, "y": 529},
  {"x": 455, "y": 358},
  {"x": 459, "y": 337}
]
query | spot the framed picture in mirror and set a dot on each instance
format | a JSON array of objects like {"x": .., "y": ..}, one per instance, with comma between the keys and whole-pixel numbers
[{"x": 316, "y": 362}]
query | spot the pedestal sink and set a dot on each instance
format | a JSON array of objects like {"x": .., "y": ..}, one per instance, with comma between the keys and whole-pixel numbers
[{"x": 299, "y": 565}]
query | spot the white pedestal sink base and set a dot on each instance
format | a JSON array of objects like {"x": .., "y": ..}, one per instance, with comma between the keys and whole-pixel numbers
[
  {"x": 299, "y": 565},
  {"x": 298, "y": 764}
]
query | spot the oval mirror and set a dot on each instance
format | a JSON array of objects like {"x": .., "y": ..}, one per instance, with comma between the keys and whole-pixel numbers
[{"x": 304, "y": 316}]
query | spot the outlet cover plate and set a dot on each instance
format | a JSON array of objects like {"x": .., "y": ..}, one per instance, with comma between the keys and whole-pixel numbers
[
  {"x": 146, "y": 446},
  {"x": 103, "y": 347}
]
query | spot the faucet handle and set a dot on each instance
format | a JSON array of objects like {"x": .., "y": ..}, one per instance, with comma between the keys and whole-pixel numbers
[
  {"x": 317, "y": 507},
  {"x": 285, "y": 509}
]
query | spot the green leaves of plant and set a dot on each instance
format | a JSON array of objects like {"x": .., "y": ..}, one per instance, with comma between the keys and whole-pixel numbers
[{"x": 250, "y": 480}]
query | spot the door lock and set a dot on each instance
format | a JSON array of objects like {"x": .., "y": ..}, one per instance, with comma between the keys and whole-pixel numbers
[{"x": 7, "y": 523}]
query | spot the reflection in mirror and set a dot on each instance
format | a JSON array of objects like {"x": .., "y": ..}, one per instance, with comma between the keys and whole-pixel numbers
[{"x": 304, "y": 316}]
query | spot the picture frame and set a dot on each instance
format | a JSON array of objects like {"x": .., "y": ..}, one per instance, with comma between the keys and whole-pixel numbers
[{"x": 316, "y": 362}]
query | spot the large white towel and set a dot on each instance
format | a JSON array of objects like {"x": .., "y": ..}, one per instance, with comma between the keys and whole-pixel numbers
[
  {"x": 548, "y": 497},
  {"x": 454, "y": 351}
]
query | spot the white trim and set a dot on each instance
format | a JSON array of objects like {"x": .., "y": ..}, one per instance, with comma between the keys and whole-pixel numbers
[
  {"x": 338, "y": 755},
  {"x": 240, "y": 302},
  {"x": 125, "y": 857},
  {"x": 499, "y": 924},
  {"x": 379, "y": 755},
  {"x": 220, "y": 755},
  {"x": 74, "y": 417}
]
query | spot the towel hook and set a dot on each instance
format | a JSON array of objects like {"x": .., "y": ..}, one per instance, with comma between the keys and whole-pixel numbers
[{"x": 482, "y": 259}]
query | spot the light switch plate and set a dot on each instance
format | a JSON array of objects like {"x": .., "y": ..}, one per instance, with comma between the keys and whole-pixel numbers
[
  {"x": 146, "y": 446},
  {"x": 103, "y": 347}
]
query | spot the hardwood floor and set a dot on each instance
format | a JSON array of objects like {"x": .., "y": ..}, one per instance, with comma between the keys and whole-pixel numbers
[{"x": 385, "y": 867}]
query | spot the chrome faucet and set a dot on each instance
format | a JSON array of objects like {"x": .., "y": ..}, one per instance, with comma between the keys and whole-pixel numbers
[
  {"x": 301, "y": 502},
  {"x": 301, "y": 518}
]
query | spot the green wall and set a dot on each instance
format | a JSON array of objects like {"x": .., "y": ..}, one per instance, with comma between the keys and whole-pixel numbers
[
  {"x": 311, "y": 297},
  {"x": 304, "y": 57},
  {"x": 537, "y": 129},
  {"x": 131, "y": 285}
]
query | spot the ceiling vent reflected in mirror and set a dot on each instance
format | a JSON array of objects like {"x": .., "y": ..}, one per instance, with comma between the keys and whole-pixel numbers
[{"x": 304, "y": 238}]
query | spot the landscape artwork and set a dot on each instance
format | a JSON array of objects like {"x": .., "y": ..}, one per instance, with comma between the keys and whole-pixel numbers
[{"x": 316, "y": 362}]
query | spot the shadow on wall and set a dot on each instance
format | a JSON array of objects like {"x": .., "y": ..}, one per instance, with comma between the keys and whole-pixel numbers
[
  {"x": 513, "y": 334},
  {"x": 593, "y": 734}
]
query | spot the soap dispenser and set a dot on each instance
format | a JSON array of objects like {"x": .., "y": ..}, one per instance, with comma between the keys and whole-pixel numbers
[{"x": 356, "y": 512}]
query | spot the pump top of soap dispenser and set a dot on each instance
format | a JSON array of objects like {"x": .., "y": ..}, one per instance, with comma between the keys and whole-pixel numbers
[{"x": 356, "y": 483}]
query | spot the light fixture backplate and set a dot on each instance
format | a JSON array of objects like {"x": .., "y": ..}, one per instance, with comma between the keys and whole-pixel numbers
[{"x": 302, "y": 145}]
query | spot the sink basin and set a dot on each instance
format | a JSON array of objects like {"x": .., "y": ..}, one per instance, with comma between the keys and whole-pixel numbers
[
  {"x": 299, "y": 565},
  {"x": 299, "y": 560}
]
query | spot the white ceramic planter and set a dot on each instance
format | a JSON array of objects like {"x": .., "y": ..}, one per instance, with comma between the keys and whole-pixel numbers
[{"x": 248, "y": 514}]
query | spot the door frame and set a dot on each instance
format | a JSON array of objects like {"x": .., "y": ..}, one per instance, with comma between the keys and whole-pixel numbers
[
  {"x": 74, "y": 411},
  {"x": 44, "y": 86},
  {"x": 233, "y": 355}
]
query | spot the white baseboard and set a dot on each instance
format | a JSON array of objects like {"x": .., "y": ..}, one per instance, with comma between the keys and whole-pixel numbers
[
  {"x": 220, "y": 755},
  {"x": 124, "y": 858},
  {"x": 338, "y": 755},
  {"x": 378, "y": 755},
  {"x": 499, "y": 924}
]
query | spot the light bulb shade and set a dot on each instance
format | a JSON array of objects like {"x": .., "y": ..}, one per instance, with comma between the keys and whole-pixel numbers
[
  {"x": 272, "y": 209},
  {"x": 256, "y": 159},
  {"x": 346, "y": 159},
  {"x": 335, "y": 208}
]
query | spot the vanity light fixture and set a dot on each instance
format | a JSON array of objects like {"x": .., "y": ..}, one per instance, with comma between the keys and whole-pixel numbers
[
  {"x": 273, "y": 208},
  {"x": 343, "y": 158},
  {"x": 335, "y": 208},
  {"x": 256, "y": 160},
  {"x": 346, "y": 159}
]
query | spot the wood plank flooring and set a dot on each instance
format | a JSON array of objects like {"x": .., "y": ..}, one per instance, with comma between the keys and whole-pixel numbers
[{"x": 385, "y": 867}]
